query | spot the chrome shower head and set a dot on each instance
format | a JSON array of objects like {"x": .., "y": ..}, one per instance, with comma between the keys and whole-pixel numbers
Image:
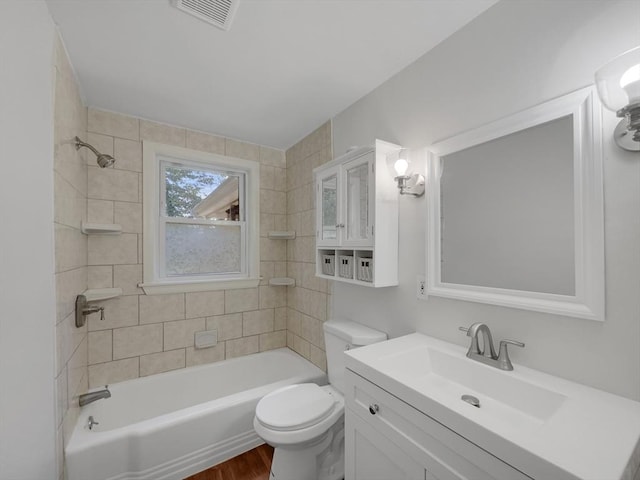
[{"x": 103, "y": 159}]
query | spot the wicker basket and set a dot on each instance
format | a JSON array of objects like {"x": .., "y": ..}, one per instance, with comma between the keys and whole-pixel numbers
[
  {"x": 329, "y": 265},
  {"x": 345, "y": 269},
  {"x": 365, "y": 269}
]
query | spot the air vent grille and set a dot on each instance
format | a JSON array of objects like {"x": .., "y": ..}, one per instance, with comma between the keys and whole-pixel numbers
[{"x": 216, "y": 12}]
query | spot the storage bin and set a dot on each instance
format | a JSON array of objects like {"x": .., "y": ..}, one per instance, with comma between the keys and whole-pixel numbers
[
  {"x": 365, "y": 269},
  {"x": 346, "y": 266},
  {"x": 329, "y": 265}
]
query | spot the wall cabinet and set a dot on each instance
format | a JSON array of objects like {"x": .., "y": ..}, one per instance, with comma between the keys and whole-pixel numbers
[
  {"x": 386, "y": 435},
  {"x": 357, "y": 218}
]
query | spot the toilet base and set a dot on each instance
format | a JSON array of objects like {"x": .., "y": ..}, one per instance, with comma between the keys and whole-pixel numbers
[{"x": 323, "y": 460}]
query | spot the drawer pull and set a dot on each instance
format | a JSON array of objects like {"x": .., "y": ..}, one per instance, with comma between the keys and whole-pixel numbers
[{"x": 373, "y": 409}]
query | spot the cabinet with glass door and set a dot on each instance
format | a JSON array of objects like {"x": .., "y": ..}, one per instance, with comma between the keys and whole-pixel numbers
[{"x": 357, "y": 218}]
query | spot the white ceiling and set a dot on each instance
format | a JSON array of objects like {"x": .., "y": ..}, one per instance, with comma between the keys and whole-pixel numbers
[{"x": 284, "y": 68}]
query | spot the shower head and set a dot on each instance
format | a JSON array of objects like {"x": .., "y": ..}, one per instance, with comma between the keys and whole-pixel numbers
[{"x": 103, "y": 159}]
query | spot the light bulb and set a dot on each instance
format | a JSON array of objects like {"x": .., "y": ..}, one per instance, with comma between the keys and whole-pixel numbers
[
  {"x": 630, "y": 81},
  {"x": 401, "y": 166}
]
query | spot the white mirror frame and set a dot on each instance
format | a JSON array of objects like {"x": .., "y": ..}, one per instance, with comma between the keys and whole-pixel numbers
[{"x": 588, "y": 301}]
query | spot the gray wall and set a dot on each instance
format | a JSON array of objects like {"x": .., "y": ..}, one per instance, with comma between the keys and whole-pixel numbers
[
  {"x": 27, "y": 293},
  {"x": 516, "y": 55}
]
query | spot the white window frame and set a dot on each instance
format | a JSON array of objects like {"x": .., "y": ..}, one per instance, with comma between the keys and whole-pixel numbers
[{"x": 155, "y": 280}]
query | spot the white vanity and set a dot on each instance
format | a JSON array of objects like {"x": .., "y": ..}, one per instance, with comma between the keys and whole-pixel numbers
[{"x": 405, "y": 419}]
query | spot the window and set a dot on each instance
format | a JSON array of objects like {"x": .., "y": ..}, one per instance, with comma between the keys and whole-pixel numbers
[{"x": 200, "y": 220}]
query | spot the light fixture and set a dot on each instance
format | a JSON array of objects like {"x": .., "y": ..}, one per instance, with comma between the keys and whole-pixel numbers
[
  {"x": 408, "y": 183},
  {"x": 103, "y": 159},
  {"x": 618, "y": 84}
]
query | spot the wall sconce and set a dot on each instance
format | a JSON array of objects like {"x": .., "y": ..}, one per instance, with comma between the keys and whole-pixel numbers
[
  {"x": 408, "y": 183},
  {"x": 618, "y": 84}
]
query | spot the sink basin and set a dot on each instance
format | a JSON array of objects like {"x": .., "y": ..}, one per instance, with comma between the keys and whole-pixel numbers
[
  {"x": 446, "y": 374},
  {"x": 542, "y": 425}
]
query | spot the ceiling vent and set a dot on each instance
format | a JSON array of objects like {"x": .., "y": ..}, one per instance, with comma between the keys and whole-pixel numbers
[{"x": 216, "y": 12}]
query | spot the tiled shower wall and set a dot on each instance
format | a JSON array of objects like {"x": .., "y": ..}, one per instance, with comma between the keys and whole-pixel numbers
[
  {"x": 147, "y": 334},
  {"x": 309, "y": 301},
  {"x": 70, "y": 208}
]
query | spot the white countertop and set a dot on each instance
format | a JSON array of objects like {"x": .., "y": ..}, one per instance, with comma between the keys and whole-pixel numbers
[{"x": 565, "y": 431}]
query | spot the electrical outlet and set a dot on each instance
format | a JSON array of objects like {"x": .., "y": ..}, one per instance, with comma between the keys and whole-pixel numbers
[{"x": 421, "y": 287}]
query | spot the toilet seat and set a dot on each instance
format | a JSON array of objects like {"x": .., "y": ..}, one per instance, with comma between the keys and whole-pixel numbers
[
  {"x": 297, "y": 436},
  {"x": 295, "y": 407}
]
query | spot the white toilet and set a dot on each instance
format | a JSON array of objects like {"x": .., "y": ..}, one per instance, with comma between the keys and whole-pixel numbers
[{"x": 305, "y": 422}]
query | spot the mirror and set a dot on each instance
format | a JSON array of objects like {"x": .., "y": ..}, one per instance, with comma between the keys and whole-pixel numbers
[{"x": 515, "y": 211}]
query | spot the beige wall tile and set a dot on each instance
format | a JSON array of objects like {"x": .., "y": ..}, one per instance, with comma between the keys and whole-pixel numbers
[
  {"x": 271, "y": 156},
  {"x": 69, "y": 284},
  {"x": 271, "y": 297},
  {"x": 273, "y": 250},
  {"x": 241, "y": 300},
  {"x": 77, "y": 380},
  {"x": 100, "y": 276},
  {"x": 257, "y": 321},
  {"x": 136, "y": 341},
  {"x": 70, "y": 205},
  {"x": 161, "y": 133},
  {"x": 205, "y": 304},
  {"x": 161, "y": 308},
  {"x": 228, "y": 326},
  {"x": 62, "y": 399},
  {"x": 100, "y": 347},
  {"x": 112, "y": 184},
  {"x": 318, "y": 357},
  {"x": 269, "y": 341},
  {"x": 68, "y": 339},
  {"x": 247, "y": 151},
  {"x": 127, "y": 277},
  {"x": 128, "y": 155},
  {"x": 99, "y": 211},
  {"x": 272, "y": 201},
  {"x": 113, "y": 372},
  {"x": 180, "y": 334},
  {"x": 70, "y": 248},
  {"x": 205, "y": 355},
  {"x": 118, "y": 312},
  {"x": 161, "y": 362},
  {"x": 242, "y": 346},
  {"x": 280, "y": 318},
  {"x": 113, "y": 124},
  {"x": 113, "y": 249},
  {"x": 267, "y": 179},
  {"x": 205, "y": 142},
  {"x": 300, "y": 346},
  {"x": 129, "y": 215}
]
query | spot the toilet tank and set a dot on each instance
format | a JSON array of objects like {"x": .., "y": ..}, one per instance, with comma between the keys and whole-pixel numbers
[{"x": 341, "y": 335}]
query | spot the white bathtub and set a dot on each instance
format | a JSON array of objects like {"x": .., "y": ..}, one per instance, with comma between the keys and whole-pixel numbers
[{"x": 174, "y": 424}]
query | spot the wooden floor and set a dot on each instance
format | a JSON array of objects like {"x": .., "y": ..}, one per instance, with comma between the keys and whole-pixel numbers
[{"x": 252, "y": 465}]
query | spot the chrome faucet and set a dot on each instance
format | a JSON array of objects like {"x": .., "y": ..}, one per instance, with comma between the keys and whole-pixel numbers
[
  {"x": 486, "y": 353},
  {"x": 87, "y": 398}
]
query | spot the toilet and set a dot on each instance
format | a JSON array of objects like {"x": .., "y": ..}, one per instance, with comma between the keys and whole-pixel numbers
[{"x": 305, "y": 422}]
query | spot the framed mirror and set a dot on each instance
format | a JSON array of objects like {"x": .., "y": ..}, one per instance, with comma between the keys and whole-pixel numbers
[{"x": 515, "y": 211}]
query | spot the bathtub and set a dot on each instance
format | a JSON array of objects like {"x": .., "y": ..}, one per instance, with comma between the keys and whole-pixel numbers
[{"x": 174, "y": 424}]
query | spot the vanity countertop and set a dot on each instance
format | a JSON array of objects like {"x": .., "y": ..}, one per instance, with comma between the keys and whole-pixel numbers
[{"x": 545, "y": 426}]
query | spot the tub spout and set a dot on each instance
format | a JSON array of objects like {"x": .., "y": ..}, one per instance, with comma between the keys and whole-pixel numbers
[{"x": 87, "y": 398}]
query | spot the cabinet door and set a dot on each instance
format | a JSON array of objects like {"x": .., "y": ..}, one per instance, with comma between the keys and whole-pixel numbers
[
  {"x": 328, "y": 208},
  {"x": 371, "y": 456},
  {"x": 357, "y": 177}
]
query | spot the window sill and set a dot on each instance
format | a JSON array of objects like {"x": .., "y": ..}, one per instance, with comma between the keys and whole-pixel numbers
[{"x": 159, "y": 288}]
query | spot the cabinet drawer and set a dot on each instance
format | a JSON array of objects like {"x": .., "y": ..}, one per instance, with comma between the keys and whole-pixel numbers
[{"x": 445, "y": 454}]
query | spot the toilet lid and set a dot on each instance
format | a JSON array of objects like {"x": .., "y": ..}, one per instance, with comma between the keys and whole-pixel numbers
[{"x": 294, "y": 407}]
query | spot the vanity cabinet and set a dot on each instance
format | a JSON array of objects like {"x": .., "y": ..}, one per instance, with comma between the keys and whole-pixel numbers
[
  {"x": 388, "y": 438},
  {"x": 357, "y": 218}
]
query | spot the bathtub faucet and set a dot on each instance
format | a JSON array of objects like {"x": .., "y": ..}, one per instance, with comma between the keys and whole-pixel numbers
[{"x": 87, "y": 398}]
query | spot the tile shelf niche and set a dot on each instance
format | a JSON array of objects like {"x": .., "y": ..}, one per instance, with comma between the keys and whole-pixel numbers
[
  {"x": 101, "y": 228},
  {"x": 282, "y": 235},
  {"x": 282, "y": 281},
  {"x": 98, "y": 294}
]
